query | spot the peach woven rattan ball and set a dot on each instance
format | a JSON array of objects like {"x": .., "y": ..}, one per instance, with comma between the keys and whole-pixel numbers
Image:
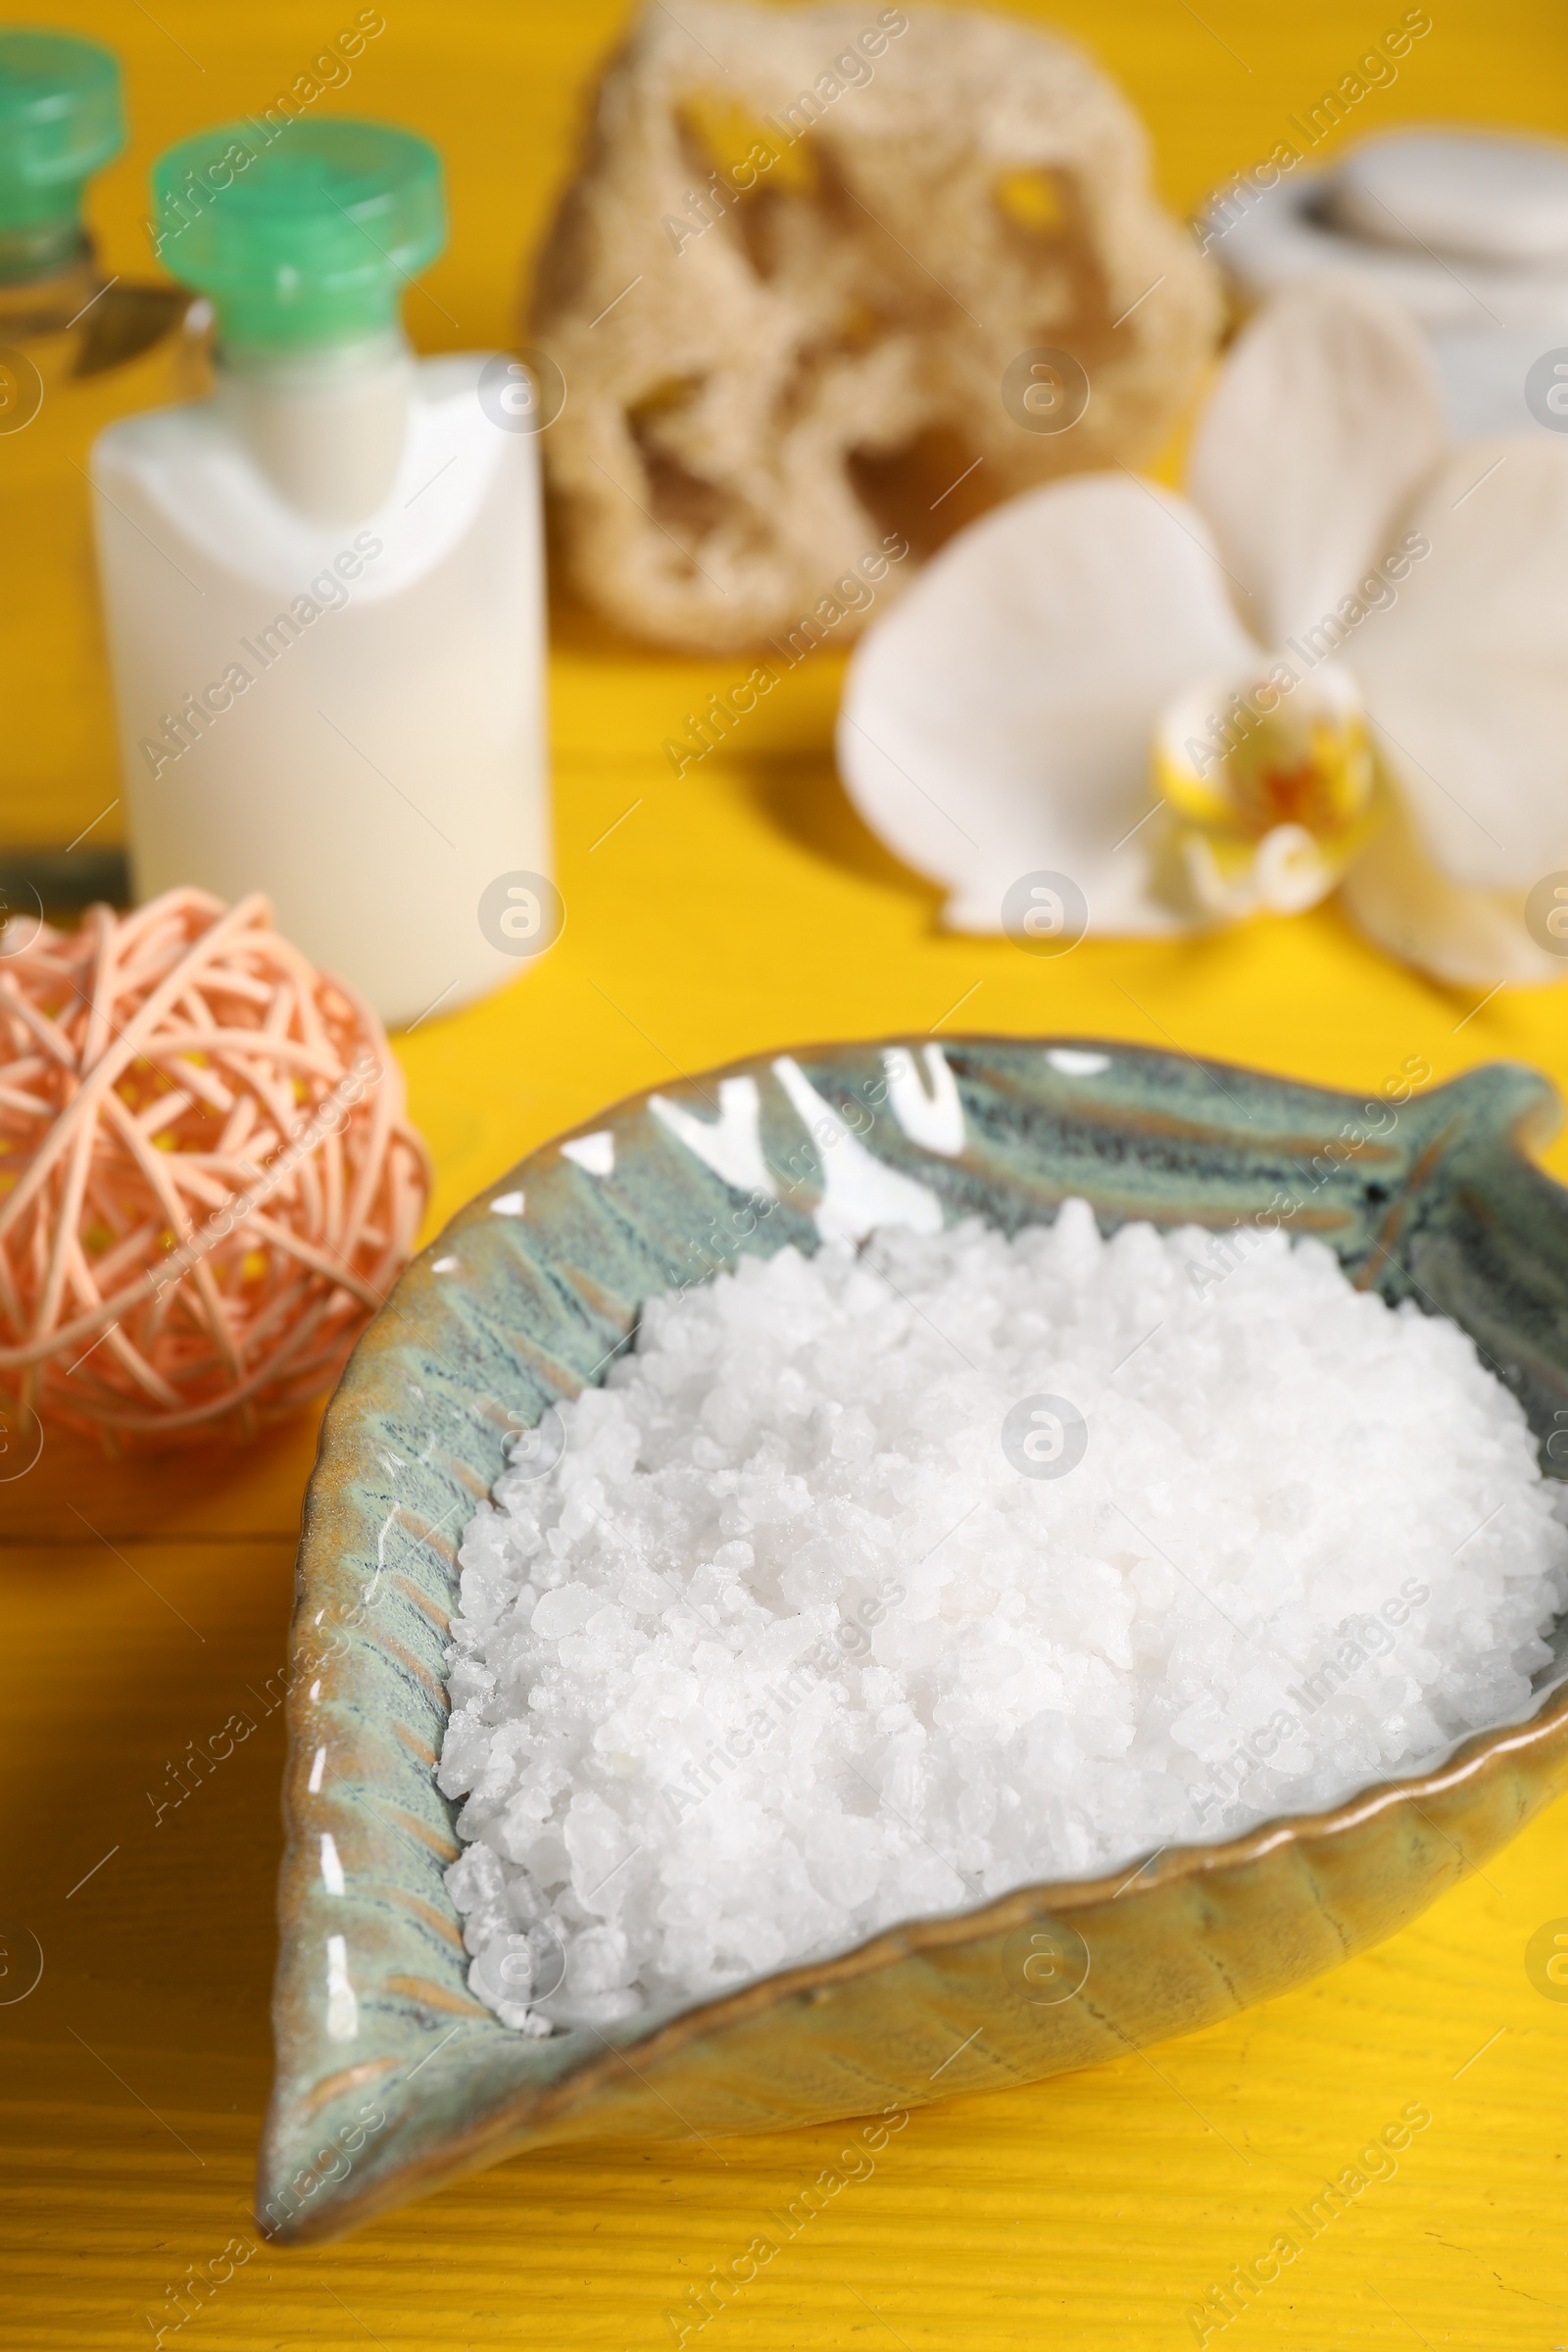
[{"x": 207, "y": 1178}]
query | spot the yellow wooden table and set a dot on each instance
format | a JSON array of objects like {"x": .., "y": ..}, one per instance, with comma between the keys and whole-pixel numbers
[{"x": 739, "y": 907}]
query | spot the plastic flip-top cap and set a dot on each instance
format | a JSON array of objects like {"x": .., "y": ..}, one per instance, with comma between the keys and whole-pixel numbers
[
  {"x": 61, "y": 120},
  {"x": 301, "y": 232}
]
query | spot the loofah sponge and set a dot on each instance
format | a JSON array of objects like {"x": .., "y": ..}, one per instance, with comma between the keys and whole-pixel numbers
[{"x": 802, "y": 289}]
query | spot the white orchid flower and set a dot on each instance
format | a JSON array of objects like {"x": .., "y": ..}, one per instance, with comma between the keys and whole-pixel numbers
[{"x": 1342, "y": 657}]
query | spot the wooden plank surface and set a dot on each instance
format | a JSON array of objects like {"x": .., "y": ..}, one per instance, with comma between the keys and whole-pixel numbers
[{"x": 146, "y": 1603}]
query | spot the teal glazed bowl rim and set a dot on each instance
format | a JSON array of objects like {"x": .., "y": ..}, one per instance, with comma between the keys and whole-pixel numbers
[{"x": 391, "y": 2077}]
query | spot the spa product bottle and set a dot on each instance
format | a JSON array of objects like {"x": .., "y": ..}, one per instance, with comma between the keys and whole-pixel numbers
[
  {"x": 74, "y": 352},
  {"x": 323, "y": 583}
]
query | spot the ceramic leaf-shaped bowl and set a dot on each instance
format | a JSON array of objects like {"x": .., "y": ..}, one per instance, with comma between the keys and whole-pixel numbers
[{"x": 391, "y": 2076}]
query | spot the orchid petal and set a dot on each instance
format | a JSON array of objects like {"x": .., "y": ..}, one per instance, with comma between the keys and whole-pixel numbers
[
  {"x": 1326, "y": 415},
  {"x": 998, "y": 720},
  {"x": 1466, "y": 675},
  {"x": 1460, "y": 935}
]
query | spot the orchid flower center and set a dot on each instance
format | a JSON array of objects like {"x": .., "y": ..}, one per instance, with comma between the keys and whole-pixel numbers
[{"x": 1270, "y": 784}]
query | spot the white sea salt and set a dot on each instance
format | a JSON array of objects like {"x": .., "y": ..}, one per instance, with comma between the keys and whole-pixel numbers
[{"x": 789, "y": 1645}]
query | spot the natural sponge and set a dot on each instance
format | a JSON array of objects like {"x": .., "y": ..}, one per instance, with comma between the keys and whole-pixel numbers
[{"x": 832, "y": 270}]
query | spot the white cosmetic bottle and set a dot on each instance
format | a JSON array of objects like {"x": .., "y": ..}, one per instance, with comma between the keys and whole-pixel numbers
[{"x": 323, "y": 584}]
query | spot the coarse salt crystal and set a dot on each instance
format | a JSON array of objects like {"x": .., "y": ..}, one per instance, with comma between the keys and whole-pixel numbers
[{"x": 876, "y": 1584}]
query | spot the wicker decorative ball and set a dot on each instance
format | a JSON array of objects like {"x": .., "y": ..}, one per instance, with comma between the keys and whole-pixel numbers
[{"x": 207, "y": 1178}]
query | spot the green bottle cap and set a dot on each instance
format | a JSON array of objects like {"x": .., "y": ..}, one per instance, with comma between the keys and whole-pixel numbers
[
  {"x": 302, "y": 232},
  {"x": 61, "y": 120}
]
